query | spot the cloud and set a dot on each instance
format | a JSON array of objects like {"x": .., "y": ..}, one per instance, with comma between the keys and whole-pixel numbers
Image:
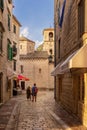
[
  {"x": 25, "y": 32},
  {"x": 38, "y": 43}
]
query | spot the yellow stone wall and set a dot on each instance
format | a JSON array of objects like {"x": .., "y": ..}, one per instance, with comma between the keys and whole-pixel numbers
[
  {"x": 47, "y": 43},
  {"x": 43, "y": 79}
]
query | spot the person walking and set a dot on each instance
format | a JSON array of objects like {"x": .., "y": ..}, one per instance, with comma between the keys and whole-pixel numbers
[
  {"x": 34, "y": 92},
  {"x": 28, "y": 92}
]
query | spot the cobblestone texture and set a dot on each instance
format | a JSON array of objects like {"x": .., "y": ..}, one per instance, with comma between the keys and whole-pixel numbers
[{"x": 45, "y": 114}]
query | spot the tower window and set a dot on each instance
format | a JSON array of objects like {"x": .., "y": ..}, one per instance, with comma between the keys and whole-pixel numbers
[
  {"x": 50, "y": 36},
  {"x": 51, "y": 51}
]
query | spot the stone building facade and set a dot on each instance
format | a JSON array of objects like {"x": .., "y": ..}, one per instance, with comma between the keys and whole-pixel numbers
[
  {"x": 35, "y": 64},
  {"x": 70, "y": 56},
  {"x": 6, "y": 49},
  {"x": 15, "y": 62}
]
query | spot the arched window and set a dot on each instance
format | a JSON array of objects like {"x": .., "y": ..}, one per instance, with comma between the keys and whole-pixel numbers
[{"x": 50, "y": 36}]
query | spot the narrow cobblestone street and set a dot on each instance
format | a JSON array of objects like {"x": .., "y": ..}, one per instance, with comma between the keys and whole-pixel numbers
[
  {"x": 45, "y": 114},
  {"x": 36, "y": 116}
]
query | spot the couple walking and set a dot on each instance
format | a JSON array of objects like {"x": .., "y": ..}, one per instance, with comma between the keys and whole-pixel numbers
[{"x": 32, "y": 92}]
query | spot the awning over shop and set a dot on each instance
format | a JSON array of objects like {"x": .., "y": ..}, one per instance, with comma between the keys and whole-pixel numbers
[
  {"x": 57, "y": 70},
  {"x": 21, "y": 77},
  {"x": 75, "y": 60}
]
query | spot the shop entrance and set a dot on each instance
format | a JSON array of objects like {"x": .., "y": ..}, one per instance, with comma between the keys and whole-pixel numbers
[{"x": 22, "y": 85}]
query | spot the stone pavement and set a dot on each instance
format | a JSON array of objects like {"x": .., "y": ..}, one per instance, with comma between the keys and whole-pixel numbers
[{"x": 45, "y": 114}]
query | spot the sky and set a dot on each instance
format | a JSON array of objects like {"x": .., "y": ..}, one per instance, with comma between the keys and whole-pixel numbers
[{"x": 34, "y": 16}]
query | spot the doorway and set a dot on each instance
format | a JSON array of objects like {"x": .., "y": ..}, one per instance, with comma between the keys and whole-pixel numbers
[
  {"x": 78, "y": 91},
  {"x": 22, "y": 85}
]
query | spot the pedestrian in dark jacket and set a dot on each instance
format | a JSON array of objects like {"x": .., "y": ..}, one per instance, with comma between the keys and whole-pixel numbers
[
  {"x": 28, "y": 92},
  {"x": 34, "y": 92}
]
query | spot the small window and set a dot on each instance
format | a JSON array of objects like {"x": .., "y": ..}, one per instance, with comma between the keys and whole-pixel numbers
[
  {"x": 50, "y": 36},
  {"x": 9, "y": 28},
  {"x": 14, "y": 67},
  {"x": 14, "y": 49},
  {"x": 51, "y": 51},
  {"x": 39, "y": 70},
  {"x": 22, "y": 69},
  {"x": 14, "y": 28}
]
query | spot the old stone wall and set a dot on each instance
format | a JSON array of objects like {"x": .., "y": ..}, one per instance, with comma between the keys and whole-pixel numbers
[
  {"x": 38, "y": 71},
  {"x": 4, "y": 63}
]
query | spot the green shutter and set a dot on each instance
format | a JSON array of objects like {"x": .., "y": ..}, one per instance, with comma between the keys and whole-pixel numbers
[{"x": 10, "y": 54}]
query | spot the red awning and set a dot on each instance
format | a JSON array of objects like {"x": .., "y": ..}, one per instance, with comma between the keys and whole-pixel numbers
[{"x": 21, "y": 77}]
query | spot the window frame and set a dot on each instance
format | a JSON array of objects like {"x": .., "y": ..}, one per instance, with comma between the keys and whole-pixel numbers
[
  {"x": 14, "y": 65},
  {"x": 9, "y": 22},
  {"x": 22, "y": 68},
  {"x": 14, "y": 29}
]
